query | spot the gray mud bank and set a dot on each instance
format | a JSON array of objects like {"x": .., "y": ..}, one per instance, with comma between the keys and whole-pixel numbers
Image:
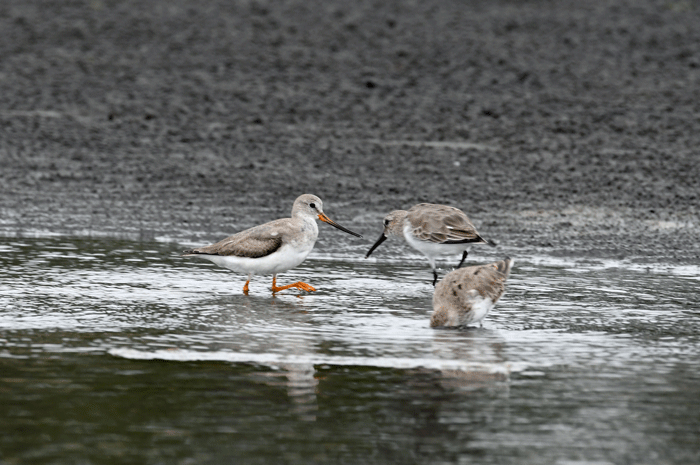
[{"x": 567, "y": 126}]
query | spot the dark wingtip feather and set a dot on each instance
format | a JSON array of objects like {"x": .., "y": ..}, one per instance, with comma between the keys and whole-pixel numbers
[{"x": 475, "y": 240}]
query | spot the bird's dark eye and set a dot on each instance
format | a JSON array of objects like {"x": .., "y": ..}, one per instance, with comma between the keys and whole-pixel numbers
[
  {"x": 386, "y": 222},
  {"x": 312, "y": 205}
]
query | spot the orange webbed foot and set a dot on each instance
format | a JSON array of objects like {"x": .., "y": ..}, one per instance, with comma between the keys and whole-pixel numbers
[
  {"x": 305, "y": 287},
  {"x": 298, "y": 285}
]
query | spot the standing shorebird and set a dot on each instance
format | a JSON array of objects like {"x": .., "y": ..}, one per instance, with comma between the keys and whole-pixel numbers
[
  {"x": 273, "y": 247},
  {"x": 466, "y": 295},
  {"x": 433, "y": 230}
]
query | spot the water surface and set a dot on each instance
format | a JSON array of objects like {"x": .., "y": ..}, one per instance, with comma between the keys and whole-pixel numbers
[{"x": 123, "y": 352}]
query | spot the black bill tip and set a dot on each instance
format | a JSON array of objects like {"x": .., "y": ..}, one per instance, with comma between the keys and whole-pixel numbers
[
  {"x": 381, "y": 239},
  {"x": 325, "y": 219}
]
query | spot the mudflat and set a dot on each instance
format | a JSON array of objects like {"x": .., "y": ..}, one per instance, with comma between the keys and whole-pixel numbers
[{"x": 567, "y": 126}]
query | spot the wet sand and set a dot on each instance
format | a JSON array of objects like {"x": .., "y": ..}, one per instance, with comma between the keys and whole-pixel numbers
[{"x": 571, "y": 127}]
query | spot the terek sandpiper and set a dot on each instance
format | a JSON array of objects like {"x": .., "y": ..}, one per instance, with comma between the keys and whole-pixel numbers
[
  {"x": 466, "y": 295},
  {"x": 433, "y": 230},
  {"x": 273, "y": 247}
]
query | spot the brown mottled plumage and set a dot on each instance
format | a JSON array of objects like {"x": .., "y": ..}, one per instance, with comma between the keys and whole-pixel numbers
[
  {"x": 466, "y": 295},
  {"x": 441, "y": 224}
]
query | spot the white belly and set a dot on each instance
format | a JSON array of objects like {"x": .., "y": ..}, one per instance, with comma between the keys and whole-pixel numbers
[
  {"x": 285, "y": 258},
  {"x": 480, "y": 308},
  {"x": 476, "y": 310},
  {"x": 433, "y": 249}
]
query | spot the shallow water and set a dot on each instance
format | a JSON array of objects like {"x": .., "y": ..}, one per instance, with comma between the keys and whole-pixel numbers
[{"x": 123, "y": 352}]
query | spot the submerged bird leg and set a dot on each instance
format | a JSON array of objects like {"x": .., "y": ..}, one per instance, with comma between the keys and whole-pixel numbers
[
  {"x": 245, "y": 288},
  {"x": 464, "y": 257},
  {"x": 298, "y": 285}
]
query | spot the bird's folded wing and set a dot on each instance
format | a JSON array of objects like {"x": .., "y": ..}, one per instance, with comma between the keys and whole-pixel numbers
[
  {"x": 454, "y": 228},
  {"x": 253, "y": 243},
  {"x": 491, "y": 280}
]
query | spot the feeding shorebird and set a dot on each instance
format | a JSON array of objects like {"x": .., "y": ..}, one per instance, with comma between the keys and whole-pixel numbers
[
  {"x": 466, "y": 295},
  {"x": 433, "y": 230},
  {"x": 273, "y": 247}
]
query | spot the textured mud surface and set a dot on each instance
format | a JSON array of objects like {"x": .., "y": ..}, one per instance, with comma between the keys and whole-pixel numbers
[{"x": 572, "y": 126}]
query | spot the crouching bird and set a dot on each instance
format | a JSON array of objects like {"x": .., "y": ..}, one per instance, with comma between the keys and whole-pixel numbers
[{"x": 466, "y": 295}]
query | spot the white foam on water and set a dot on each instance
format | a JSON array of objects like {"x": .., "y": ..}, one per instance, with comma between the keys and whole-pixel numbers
[{"x": 269, "y": 359}]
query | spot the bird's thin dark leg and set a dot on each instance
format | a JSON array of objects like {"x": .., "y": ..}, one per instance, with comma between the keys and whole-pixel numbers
[
  {"x": 464, "y": 257},
  {"x": 435, "y": 276}
]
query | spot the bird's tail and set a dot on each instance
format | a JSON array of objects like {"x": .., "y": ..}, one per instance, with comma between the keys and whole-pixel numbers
[{"x": 504, "y": 266}]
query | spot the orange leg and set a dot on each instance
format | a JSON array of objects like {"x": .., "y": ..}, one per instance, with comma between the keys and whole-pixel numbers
[
  {"x": 245, "y": 288},
  {"x": 298, "y": 285}
]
